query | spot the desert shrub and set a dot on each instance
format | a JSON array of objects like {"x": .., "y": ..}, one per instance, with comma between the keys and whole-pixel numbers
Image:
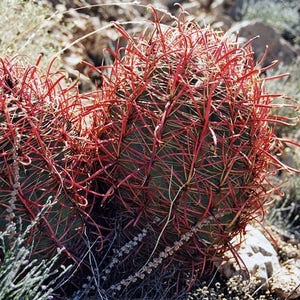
[
  {"x": 20, "y": 276},
  {"x": 28, "y": 28}
]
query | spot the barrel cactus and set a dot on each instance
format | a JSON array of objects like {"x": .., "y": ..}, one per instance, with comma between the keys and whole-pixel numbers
[
  {"x": 171, "y": 158},
  {"x": 43, "y": 164},
  {"x": 189, "y": 142}
]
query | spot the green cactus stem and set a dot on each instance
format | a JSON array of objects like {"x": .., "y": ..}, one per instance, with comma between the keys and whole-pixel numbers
[
  {"x": 189, "y": 139},
  {"x": 42, "y": 159}
]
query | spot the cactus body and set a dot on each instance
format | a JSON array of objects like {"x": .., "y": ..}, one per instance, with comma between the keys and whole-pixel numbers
[
  {"x": 188, "y": 137},
  {"x": 40, "y": 158}
]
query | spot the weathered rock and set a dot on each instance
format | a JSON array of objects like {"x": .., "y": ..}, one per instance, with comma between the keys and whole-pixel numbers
[
  {"x": 278, "y": 48},
  {"x": 222, "y": 22},
  {"x": 256, "y": 257},
  {"x": 286, "y": 281},
  {"x": 236, "y": 8}
]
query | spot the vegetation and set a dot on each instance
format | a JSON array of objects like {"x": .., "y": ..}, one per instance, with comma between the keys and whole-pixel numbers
[
  {"x": 138, "y": 186},
  {"x": 22, "y": 277},
  {"x": 23, "y": 34}
]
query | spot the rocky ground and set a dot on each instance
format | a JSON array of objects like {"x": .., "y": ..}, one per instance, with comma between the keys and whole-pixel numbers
[{"x": 91, "y": 29}]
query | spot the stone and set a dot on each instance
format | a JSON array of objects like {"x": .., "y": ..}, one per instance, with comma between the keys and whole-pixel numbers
[
  {"x": 278, "y": 48},
  {"x": 255, "y": 257},
  {"x": 286, "y": 281},
  {"x": 222, "y": 22}
]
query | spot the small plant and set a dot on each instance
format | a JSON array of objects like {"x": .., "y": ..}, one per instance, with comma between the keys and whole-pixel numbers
[{"x": 20, "y": 276}]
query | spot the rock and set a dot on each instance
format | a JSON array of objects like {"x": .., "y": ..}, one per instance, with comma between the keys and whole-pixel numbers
[
  {"x": 236, "y": 8},
  {"x": 255, "y": 256},
  {"x": 278, "y": 48},
  {"x": 222, "y": 22},
  {"x": 286, "y": 282}
]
